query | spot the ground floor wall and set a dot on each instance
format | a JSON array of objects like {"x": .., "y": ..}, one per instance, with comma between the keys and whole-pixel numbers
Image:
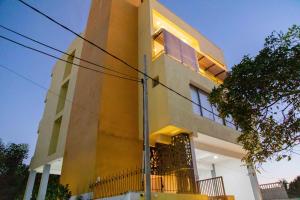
[
  {"x": 236, "y": 179},
  {"x": 234, "y": 173}
]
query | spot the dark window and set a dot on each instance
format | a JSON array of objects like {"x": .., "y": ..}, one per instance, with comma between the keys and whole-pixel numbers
[{"x": 203, "y": 107}]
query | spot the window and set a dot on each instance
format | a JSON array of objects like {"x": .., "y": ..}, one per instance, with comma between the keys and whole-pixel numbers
[
  {"x": 54, "y": 136},
  {"x": 62, "y": 97},
  {"x": 206, "y": 109},
  {"x": 68, "y": 67}
]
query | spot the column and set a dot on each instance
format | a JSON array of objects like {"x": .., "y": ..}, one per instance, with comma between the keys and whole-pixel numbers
[
  {"x": 30, "y": 184},
  {"x": 44, "y": 182},
  {"x": 254, "y": 182},
  {"x": 194, "y": 158},
  {"x": 213, "y": 171}
]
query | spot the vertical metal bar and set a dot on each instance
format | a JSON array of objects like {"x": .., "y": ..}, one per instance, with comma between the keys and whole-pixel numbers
[
  {"x": 146, "y": 134},
  {"x": 223, "y": 185}
]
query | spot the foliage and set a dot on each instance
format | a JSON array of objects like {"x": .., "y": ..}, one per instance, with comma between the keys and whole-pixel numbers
[
  {"x": 262, "y": 94},
  {"x": 294, "y": 188},
  {"x": 13, "y": 173},
  {"x": 55, "y": 190}
]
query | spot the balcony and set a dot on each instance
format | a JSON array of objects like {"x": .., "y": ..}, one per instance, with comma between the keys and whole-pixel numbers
[{"x": 166, "y": 43}]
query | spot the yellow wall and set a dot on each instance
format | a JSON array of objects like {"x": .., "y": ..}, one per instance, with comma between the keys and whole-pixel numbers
[
  {"x": 41, "y": 156},
  {"x": 167, "y": 108},
  {"x": 104, "y": 128},
  {"x": 104, "y": 140}
]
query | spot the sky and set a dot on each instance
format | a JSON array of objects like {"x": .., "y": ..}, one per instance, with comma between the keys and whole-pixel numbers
[{"x": 238, "y": 27}]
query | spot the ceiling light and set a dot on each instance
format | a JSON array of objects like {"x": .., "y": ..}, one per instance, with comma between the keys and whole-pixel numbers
[{"x": 216, "y": 157}]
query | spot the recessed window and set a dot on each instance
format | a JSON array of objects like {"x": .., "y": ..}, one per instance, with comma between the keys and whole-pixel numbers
[
  {"x": 68, "y": 67},
  {"x": 155, "y": 81},
  {"x": 62, "y": 97},
  {"x": 54, "y": 136}
]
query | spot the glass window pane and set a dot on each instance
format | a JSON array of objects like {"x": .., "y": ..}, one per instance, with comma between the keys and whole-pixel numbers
[
  {"x": 194, "y": 95},
  {"x": 216, "y": 113},
  {"x": 206, "y": 106},
  {"x": 172, "y": 45},
  {"x": 189, "y": 56},
  {"x": 229, "y": 122}
]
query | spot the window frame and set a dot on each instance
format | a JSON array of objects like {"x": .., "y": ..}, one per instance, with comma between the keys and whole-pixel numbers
[{"x": 211, "y": 109}]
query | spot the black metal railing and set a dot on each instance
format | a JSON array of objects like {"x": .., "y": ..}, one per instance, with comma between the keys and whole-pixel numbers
[
  {"x": 118, "y": 184},
  {"x": 179, "y": 181},
  {"x": 213, "y": 187}
]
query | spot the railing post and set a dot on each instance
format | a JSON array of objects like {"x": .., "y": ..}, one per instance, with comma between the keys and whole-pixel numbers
[{"x": 223, "y": 187}]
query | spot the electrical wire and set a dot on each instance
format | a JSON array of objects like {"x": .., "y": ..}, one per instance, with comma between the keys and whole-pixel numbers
[
  {"x": 112, "y": 55},
  {"x": 72, "y": 102},
  {"x": 50, "y": 55},
  {"x": 8, "y": 69},
  {"x": 63, "y": 52}
]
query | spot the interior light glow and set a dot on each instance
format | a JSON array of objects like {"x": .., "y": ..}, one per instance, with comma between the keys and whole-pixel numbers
[{"x": 216, "y": 157}]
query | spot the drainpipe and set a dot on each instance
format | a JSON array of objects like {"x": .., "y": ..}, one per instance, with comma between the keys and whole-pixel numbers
[
  {"x": 213, "y": 175},
  {"x": 213, "y": 171}
]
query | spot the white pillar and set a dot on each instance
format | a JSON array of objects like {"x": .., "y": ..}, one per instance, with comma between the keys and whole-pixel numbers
[
  {"x": 194, "y": 159},
  {"x": 44, "y": 183},
  {"x": 30, "y": 184},
  {"x": 254, "y": 183}
]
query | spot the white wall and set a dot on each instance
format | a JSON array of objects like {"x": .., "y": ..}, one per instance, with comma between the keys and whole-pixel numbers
[{"x": 236, "y": 179}]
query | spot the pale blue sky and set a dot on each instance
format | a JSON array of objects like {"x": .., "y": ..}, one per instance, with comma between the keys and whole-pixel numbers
[{"x": 237, "y": 26}]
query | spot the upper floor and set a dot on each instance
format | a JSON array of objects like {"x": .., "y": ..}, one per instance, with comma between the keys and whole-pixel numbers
[
  {"x": 186, "y": 61},
  {"x": 175, "y": 38}
]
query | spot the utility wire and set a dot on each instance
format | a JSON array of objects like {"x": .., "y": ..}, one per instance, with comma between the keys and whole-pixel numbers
[
  {"x": 63, "y": 52},
  {"x": 72, "y": 102},
  {"x": 112, "y": 55},
  {"x": 50, "y": 55},
  {"x": 107, "y": 52},
  {"x": 8, "y": 69}
]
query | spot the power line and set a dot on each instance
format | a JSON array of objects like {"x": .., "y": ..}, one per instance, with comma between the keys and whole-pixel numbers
[
  {"x": 112, "y": 55},
  {"x": 45, "y": 88},
  {"x": 63, "y": 52},
  {"x": 50, "y": 55}
]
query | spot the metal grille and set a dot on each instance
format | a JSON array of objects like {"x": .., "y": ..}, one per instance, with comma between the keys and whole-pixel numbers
[
  {"x": 129, "y": 180},
  {"x": 172, "y": 157},
  {"x": 168, "y": 182},
  {"x": 213, "y": 187}
]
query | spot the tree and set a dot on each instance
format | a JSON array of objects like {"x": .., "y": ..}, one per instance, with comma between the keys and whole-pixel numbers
[
  {"x": 13, "y": 172},
  {"x": 262, "y": 94},
  {"x": 55, "y": 190},
  {"x": 294, "y": 188}
]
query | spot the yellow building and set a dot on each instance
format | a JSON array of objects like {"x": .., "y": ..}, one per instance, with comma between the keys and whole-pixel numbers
[{"x": 92, "y": 125}]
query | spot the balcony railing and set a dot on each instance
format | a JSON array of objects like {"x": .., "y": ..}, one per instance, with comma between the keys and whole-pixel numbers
[
  {"x": 213, "y": 187},
  {"x": 180, "y": 181}
]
